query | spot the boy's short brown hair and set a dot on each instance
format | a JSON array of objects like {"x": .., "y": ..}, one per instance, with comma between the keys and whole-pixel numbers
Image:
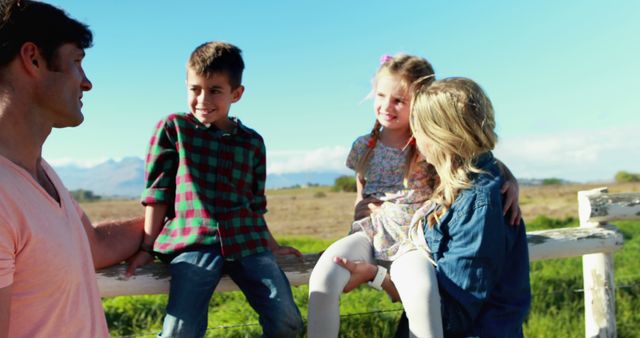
[{"x": 218, "y": 57}]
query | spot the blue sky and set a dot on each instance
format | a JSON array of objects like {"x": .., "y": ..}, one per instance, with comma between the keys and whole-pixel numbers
[{"x": 563, "y": 76}]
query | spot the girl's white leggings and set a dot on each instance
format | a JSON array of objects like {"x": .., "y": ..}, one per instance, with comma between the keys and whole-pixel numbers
[{"x": 413, "y": 276}]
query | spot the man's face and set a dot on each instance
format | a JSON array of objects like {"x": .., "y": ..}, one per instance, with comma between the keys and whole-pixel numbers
[
  {"x": 210, "y": 96},
  {"x": 63, "y": 84}
]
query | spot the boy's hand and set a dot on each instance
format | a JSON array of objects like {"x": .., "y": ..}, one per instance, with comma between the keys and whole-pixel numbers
[
  {"x": 283, "y": 250},
  {"x": 137, "y": 260}
]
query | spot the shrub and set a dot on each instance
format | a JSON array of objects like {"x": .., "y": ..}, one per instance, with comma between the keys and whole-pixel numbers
[
  {"x": 552, "y": 181},
  {"x": 624, "y": 176},
  {"x": 345, "y": 183},
  {"x": 319, "y": 194},
  {"x": 81, "y": 195}
]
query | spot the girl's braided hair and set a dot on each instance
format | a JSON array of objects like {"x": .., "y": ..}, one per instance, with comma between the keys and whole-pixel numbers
[{"x": 408, "y": 69}]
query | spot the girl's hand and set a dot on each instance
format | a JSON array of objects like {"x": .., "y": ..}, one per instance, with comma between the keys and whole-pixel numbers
[
  {"x": 365, "y": 206},
  {"x": 510, "y": 192},
  {"x": 361, "y": 272},
  {"x": 137, "y": 260}
]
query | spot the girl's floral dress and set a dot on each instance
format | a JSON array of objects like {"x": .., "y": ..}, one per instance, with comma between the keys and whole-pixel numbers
[{"x": 404, "y": 200}]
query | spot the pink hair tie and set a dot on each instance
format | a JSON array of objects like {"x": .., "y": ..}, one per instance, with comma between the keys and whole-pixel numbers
[
  {"x": 385, "y": 58},
  {"x": 371, "y": 143}
]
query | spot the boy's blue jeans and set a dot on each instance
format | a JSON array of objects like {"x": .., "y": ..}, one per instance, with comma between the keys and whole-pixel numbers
[{"x": 195, "y": 275}]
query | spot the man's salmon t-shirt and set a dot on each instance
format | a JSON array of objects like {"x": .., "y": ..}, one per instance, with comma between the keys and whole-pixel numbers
[{"x": 46, "y": 259}]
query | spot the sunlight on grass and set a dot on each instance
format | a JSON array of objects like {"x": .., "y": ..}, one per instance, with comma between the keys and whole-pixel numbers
[{"x": 558, "y": 301}]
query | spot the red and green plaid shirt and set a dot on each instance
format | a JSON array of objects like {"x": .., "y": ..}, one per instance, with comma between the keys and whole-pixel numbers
[{"x": 213, "y": 183}]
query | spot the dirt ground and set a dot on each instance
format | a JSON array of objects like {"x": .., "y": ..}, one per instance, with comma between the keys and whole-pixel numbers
[{"x": 321, "y": 213}]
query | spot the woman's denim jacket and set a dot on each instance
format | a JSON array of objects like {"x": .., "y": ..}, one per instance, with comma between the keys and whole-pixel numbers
[{"x": 482, "y": 261}]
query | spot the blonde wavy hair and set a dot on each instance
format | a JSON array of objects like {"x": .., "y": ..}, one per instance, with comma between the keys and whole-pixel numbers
[{"x": 453, "y": 123}]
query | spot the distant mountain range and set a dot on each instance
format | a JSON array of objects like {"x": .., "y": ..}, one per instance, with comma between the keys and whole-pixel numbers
[{"x": 125, "y": 178}]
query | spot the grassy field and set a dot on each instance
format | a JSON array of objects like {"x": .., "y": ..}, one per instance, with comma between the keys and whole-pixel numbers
[{"x": 312, "y": 218}]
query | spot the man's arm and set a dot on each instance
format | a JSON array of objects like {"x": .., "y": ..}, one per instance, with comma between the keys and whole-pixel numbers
[
  {"x": 510, "y": 190},
  {"x": 5, "y": 310},
  {"x": 113, "y": 241}
]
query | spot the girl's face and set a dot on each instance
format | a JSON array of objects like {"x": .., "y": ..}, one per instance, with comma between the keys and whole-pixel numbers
[{"x": 391, "y": 103}]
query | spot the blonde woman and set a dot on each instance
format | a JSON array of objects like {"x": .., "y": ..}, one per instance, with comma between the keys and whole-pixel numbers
[
  {"x": 481, "y": 262},
  {"x": 391, "y": 175}
]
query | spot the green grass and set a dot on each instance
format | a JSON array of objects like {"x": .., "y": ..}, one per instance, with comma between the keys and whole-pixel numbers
[
  {"x": 558, "y": 300},
  {"x": 557, "y": 309}
]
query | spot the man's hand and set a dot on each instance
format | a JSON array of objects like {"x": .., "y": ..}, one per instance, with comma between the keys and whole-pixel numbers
[
  {"x": 510, "y": 192},
  {"x": 365, "y": 207},
  {"x": 137, "y": 260},
  {"x": 361, "y": 272}
]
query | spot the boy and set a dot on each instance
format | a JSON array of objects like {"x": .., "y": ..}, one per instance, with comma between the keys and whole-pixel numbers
[{"x": 205, "y": 204}]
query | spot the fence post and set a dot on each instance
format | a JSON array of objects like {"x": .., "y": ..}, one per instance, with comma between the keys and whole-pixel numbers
[{"x": 597, "y": 269}]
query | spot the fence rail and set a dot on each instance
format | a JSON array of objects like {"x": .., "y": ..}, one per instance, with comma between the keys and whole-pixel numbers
[{"x": 594, "y": 240}]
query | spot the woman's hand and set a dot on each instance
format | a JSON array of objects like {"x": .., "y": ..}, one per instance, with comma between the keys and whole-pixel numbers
[{"x": 361, "y": 272}]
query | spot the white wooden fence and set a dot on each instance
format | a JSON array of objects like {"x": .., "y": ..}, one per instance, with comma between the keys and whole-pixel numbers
[{"x": 595, "y": 240}]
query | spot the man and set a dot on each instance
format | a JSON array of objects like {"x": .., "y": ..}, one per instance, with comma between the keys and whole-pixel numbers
[{"x": 48, "y": 247}]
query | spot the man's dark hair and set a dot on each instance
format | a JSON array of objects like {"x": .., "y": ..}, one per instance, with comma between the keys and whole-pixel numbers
[{"x": 48, "y": 27}]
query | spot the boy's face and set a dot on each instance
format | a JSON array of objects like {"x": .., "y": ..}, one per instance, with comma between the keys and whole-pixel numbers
[{"x": 210, "y": 96}]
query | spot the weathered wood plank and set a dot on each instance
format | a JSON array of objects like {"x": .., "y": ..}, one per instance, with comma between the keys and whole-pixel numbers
[
  {"x": 547, "y": 244},
  {"x": 154, "y": 278},
  {"x": 595, "y": 207},
  {"x": 573, "y": 242},
  {"x": 599, "y": 296},
  {"x": 599, "y": 206}
]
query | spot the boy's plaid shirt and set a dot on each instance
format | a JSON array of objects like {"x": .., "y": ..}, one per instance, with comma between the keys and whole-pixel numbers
[{"x": 213, "y": 183}]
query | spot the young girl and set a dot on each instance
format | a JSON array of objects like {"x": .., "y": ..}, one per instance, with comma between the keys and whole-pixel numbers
[
  {"x": 482, "y": 263},
  {"x": 391, "y": 174}
]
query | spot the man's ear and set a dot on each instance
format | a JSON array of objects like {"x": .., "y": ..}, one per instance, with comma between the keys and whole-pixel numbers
[
  {"x": 30, "y": 57},
  {"x": 237, "y": 94}
]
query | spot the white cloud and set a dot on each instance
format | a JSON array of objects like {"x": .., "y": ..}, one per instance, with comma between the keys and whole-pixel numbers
[
  {"x": 590, "y": 155},
  {"x": 314, "y": 160},
  {"x": 84, "y": 163},
  {"x": 582, "y": 156}
]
